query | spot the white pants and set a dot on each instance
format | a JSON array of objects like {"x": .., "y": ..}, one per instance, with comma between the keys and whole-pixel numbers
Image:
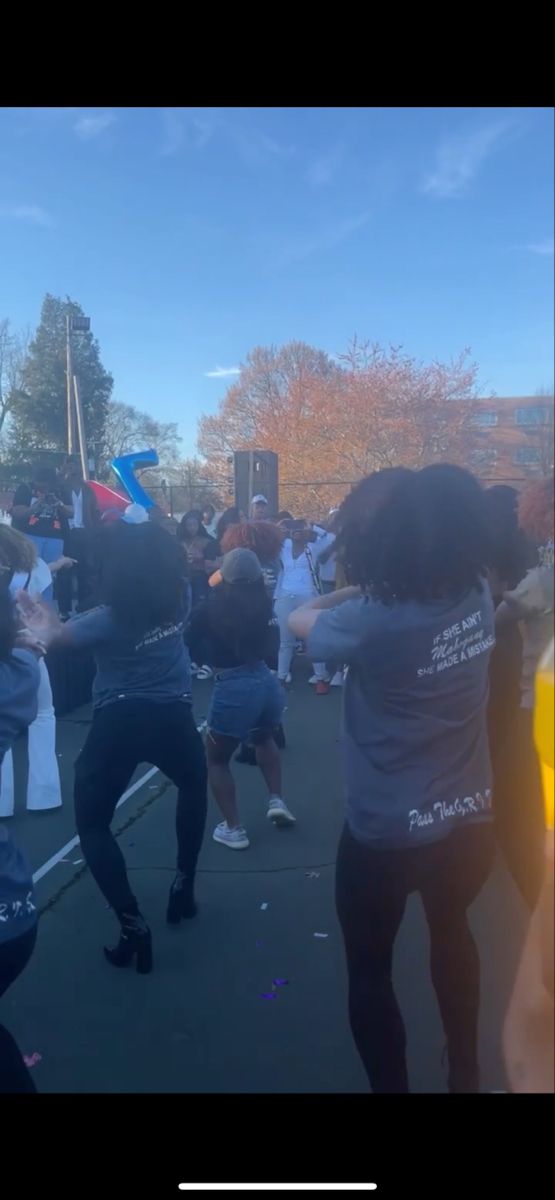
[
  {"x": 43, "y": 785},
  {"x": 284, "y": 606}
]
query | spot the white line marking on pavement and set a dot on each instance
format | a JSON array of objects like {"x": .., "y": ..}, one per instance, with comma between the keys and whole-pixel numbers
[
  {"x": 277, "y": 1187},
  {"x": 60, "y": 854}
]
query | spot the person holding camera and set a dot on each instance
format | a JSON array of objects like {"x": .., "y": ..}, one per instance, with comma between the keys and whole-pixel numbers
[{"x": 41, "y": 512}]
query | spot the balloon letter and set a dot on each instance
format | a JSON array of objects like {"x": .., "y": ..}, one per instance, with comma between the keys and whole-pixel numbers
[{"x": 124, "y": 468}]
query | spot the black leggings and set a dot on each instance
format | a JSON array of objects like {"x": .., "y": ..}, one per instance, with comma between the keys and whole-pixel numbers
[
  {"x": 123, "y": 735},
  {"x": 14, "y": 956},
  {"x": 372, "y": 887}
]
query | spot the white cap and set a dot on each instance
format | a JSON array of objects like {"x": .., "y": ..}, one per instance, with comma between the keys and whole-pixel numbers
[
  {"x": 259, "y": 500},
  {"x": 135, "y": 514}
]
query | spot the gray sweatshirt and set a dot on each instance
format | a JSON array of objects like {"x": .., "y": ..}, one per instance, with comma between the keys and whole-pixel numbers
[{"x": 19, "y": 681}]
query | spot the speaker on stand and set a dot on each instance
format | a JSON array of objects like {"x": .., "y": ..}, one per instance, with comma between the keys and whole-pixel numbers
[{"x": 256, "y": 474}]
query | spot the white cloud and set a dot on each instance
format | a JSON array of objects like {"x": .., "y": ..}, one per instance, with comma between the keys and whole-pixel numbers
[
  {"x": 222, "y": 372},
  {"x": 91, "y": 127},
  {"x": 319, "y": 242},
  {"x": 183, "y": 129},
  {"x": 546, "y": 247},
  {"x": 32, "y": 213},
  {"x": 322, "y": 170},
  {"x": 193, "y": 129},
  {"x": 459, "y": 159}
]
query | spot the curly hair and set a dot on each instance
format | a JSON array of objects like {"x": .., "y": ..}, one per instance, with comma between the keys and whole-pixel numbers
[
  {"x": 415, "y": 535},
  {"x": 16, "y": 551},
  {"x": 535, "y": 510},
  {"x": 264, "y": 538}
]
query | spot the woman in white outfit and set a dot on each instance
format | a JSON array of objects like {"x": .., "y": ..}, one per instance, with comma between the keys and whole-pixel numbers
[
  {"x": 44, "y": 791},
  {"x": 297, "y": 583}
]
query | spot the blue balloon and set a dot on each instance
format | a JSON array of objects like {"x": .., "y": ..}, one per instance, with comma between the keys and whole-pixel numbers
[{"x": 124, "y": 468}]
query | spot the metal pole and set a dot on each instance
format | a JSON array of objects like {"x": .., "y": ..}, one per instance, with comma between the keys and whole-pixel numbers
[
  {"x": 81, "y": 430},
  {"x": 69, "y": 380}
]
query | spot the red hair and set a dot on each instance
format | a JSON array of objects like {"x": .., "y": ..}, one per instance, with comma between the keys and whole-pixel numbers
[
  {"x": 262, "y": 537},
  {"x": 535, "y": 511}
]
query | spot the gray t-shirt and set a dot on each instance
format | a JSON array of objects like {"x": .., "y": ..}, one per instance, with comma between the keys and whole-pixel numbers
[
  {"x": 155, "y": 666},
  {"x": 414, "y": 738}
]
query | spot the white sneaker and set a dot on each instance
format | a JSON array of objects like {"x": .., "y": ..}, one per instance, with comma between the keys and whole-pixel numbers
[
  {"x": 314, "y": 679},
  {"x": 286, "y": 679},
  {"x": 337, "y": 679},
  {"x": 204, "y": 672},
  {"x": 278, "y": 812},
  {"x": 236, "y": 838}
]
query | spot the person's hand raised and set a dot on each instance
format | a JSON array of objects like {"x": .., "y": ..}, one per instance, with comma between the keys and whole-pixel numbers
[{"x": 37, "y": 616}]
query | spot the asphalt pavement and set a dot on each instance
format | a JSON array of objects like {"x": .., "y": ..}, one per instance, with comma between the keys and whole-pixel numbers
[{"x": 251, "y": 995}]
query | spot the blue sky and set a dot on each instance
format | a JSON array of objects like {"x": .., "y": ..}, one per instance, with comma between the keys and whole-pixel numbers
[{"x": 191, "y": 235}]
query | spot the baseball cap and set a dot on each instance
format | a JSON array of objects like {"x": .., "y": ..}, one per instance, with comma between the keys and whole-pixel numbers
[
  {"x": 259, "y": 500},
  {"x": 135, "y": 514},
  {"x": 238, "y": 566}
]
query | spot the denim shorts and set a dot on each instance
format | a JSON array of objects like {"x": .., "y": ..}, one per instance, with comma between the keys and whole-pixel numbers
[{"x": 247, "y": 703}]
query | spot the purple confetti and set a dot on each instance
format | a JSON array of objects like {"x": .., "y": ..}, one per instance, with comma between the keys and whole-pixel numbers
[
  {"x": 268, "y": 995},
  {"x": 31, "y": 1060},
  {"x": 281, "y": 982}
]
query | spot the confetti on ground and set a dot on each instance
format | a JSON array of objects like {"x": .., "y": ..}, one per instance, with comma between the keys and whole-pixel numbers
[
  {"x": 320, "y": 935},
  {"x": 264, "y": 906},
  {"x": 153, "y": 787},
  {"x": 76, "y": 861},
  {"x": 313, "y": 874},
  {"x": 31, "y": 1060},
  {"x": 280, "y": 982},
  {"x": 268, "y": 995}
]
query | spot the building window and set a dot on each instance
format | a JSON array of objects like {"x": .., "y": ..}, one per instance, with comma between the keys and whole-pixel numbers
[
  {"x": 484, "y": 456},
  {"x": 527, "y": 456},
  {"x": 484, "y": 418},
  {"x": 538, "y": 415}
]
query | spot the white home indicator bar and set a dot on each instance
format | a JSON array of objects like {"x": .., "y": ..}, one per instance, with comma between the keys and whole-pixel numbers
[{"x": 278, "y": 1187}]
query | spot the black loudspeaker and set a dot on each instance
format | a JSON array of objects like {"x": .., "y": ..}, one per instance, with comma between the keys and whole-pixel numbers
[{"x": 256, "y": 474}]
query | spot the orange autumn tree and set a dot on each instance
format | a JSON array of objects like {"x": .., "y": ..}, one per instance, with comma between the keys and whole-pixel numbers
[{"x": 334, "y": 421}]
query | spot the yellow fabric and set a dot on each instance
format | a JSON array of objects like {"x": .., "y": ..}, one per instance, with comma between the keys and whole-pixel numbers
[{"x": 543, "y": 730}]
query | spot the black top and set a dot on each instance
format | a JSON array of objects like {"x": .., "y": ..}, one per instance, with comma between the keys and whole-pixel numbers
[
  {"x": 209, "y": 644},
  {"x": 45, "y": 520}
]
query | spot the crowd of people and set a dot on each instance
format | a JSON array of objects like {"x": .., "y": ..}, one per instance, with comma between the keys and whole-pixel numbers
[{"x": 426, "y": 597}]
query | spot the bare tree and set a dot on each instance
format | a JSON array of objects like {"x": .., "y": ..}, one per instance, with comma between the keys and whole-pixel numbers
[
  {"x": 13, "y": 354},
  {"x": 127, "y": 429}
]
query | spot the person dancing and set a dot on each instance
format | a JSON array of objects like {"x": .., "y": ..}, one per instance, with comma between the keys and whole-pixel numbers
[
  {"x": 416, "y": 630},
  {"x": 19, "y": 681},
  {"x": 235, "y": 630},
  {"x": 44, "y": 791},
  {"x": 142, "y": 713},
  {"x": 298, "y": 581}
]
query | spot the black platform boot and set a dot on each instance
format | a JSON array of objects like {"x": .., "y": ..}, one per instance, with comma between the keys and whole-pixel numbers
[
  {"x": 181, "y": 900},
  {"x": 135, "y": 941}
]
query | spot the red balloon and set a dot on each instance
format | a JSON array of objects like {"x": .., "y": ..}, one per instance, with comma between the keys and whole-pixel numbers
[{"x": 107, "y": 498}]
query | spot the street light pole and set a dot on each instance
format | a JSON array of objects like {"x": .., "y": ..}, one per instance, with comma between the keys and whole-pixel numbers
[
  {"x": 77, "y": 325},
  {"x": 69, "y": 381}
]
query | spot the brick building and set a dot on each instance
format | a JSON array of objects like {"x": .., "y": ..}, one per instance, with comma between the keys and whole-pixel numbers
[{"x": 515, "y": 438}]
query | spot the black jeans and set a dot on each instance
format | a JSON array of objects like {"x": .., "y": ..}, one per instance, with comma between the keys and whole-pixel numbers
[
  {"x": 79, "y": 545},
  {"x": 123, "y": 735},
  {"x": 14, "y": 956},
  {"x": 372, "y": 887}
]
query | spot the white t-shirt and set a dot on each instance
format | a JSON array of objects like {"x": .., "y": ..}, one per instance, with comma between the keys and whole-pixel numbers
[
  {"x": 76, "y": 521},
  {"x": 296, "y": 578},
  {"x": 39, "y": 580}
]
